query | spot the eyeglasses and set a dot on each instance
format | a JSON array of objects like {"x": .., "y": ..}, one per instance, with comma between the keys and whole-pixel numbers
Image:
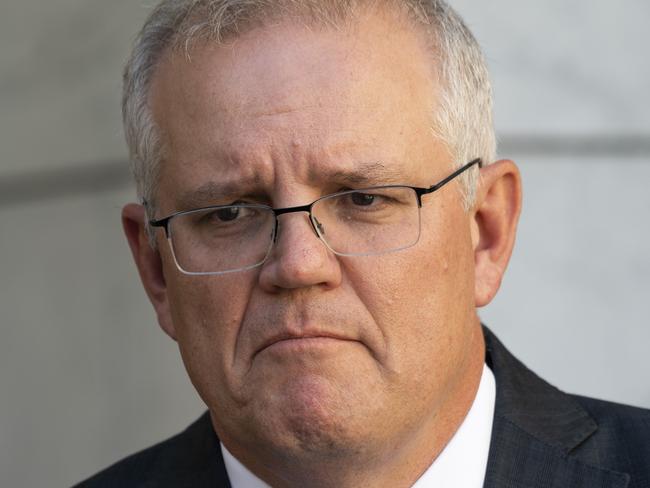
[{"x": 224, "y": 239}]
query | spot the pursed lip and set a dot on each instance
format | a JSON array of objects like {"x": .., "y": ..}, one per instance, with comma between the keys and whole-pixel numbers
[{"x": 288, "y": 336}]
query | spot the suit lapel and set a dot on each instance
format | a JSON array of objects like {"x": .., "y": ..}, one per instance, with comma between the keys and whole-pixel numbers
[
  {"x": 519, "y": 460},
  {"x": 536, "y": 427}
]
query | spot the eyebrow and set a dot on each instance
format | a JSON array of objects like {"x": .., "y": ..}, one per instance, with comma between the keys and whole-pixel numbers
[
  {"x": 217, "y": 193},
  {"x": 364, "y": 174},
  {"x": 221, "y": 192}
]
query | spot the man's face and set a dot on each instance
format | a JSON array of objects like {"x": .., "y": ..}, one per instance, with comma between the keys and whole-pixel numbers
[{"x": 286, "y": 114}]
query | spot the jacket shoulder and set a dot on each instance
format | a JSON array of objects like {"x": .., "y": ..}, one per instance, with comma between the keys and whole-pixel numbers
[
  {"x": 622, "y": 439},
  {"x": 134, "y": 470},
  {"x": 186, "y": 459}
]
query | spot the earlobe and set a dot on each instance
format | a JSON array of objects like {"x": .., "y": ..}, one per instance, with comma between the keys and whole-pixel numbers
[
  {"x": 149, "y": 263},
  {"x": 494, "y": 226}
]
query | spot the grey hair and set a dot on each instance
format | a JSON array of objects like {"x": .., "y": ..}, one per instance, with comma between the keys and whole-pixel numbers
[{"x": 462, "y": 119}]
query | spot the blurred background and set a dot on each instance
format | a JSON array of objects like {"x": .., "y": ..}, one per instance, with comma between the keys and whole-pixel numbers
[{"x": 86, "y": 376}]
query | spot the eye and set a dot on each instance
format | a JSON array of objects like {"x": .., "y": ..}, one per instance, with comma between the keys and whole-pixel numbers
[
  {"x": 362, "y": 199},
  {"x": 227, "y": 214}
]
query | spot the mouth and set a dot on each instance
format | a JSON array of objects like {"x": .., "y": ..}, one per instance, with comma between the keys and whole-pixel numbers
[{"x": 289, "y": 342}]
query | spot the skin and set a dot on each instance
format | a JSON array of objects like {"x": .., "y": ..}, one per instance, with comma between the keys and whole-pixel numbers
[{"x": 386, "y": 352}]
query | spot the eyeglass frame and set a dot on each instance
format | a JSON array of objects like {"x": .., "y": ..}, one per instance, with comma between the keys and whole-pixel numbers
[{"x": 419, "y": 192}]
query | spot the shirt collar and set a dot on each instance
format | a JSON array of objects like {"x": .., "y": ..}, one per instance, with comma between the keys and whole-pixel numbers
[
  {"x": 238, "y": 474},
  {"x": 461, "y": 463}
]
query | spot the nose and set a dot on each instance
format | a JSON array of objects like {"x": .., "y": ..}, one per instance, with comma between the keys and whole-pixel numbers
[{"x": 299, "y": 258}]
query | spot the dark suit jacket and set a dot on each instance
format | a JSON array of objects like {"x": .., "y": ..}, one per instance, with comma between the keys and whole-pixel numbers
[{"x": 541, "y": 438}]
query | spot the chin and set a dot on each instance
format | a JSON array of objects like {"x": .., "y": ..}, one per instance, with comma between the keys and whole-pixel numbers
[{"x": 313, "y": 418}]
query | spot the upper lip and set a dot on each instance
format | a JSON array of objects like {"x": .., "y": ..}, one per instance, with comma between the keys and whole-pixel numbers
[{"x": 288, "y": 335}]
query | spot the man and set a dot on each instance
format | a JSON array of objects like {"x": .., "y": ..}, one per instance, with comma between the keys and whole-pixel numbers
[{"x": 322, "y": 213}]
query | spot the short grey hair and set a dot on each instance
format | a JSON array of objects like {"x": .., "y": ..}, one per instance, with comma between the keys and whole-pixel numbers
[{"x": 462, "y": 119}]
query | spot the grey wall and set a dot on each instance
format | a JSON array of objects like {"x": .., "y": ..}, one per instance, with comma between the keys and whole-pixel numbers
[{"x": 86, "y": 376}]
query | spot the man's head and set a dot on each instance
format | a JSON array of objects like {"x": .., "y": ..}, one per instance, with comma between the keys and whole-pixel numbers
[{"x": 314, "y": 359}]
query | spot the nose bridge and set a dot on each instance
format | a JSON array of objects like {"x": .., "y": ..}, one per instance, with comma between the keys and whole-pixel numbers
[
  {"x": 298, "y": 260},
  {"x": 298, "y": 209}
]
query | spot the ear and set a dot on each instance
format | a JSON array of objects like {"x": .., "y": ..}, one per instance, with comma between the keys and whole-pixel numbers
[
  {"x": 149, "y": 263},
  {"x": 494, "y": 225}
]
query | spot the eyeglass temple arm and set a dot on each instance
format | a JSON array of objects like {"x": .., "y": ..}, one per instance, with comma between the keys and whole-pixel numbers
[
  {"x": 158, "y": 223},
  {"x": 460, "y": 170}
]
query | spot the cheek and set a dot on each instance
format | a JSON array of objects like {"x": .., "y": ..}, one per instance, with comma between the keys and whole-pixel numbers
[
  {"x": 422, "y": 298},
  {"x": 207, "y": 313}
]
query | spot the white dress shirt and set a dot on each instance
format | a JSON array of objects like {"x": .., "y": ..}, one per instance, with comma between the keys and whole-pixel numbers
[{"x": 461, "y": 464}]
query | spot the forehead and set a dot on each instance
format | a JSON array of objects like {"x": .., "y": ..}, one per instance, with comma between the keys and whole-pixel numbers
[{"x": 285, "y": 103}]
